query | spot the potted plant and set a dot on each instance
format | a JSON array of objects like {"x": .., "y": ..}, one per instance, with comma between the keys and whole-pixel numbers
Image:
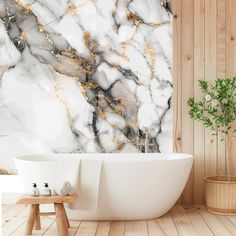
[{"x": 217, "y": 111}]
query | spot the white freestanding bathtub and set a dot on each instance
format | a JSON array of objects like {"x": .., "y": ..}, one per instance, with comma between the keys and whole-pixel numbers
[{"x": 132, "y": 186}]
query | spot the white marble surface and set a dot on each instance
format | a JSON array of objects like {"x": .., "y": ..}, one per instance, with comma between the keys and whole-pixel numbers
[{"x": 84, "y": 76}]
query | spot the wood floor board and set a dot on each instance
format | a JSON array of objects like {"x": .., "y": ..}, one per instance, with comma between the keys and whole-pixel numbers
[
  {"x": 182, "y": 222},
  {"x": 12, "y": 225},
  {"x": 136, "y": 228},
  {"x": 74, "y": 226},
  {"x": 117, "y": 228},
  {"x": 179, "y": 221},
  {"x": 232, "y": 219},
  {"x": 154, "y": 229},
  {"x": 52, "y": 229},
  {"x": 167, "y": 225},
  {"x": 103, "y": 228},
  {"x": 87, "y": 228},
  {"x": 213, "y": 222},
  {"x": 227, "y": 224},
  {"x": 198, "y": 222},
  {"x": 12, "y": 212},
  {"x": 46, "y": 222},
  {"x": 6, "y": 207}
]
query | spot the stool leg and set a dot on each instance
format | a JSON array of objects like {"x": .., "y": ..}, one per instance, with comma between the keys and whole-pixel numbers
[
  {"x": 68, "y": 224},
  {"x": 61, "y": 220},
  {"x": 37, "y": 224},
  {"x": 31, "y": 219}
]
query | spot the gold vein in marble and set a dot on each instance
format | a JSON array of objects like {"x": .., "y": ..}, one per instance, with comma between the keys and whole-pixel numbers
[
  {"x": 57, "y": 89},
  {"x": 124, "y": 47},
  {"x": 82, "y": 89},
  {"x": 133, "y": 17},
  {"x": 120, "y": 108},
  {"x": 87, "y": 39},
  {"x": 138, "y": 20},
  {"x": 150, "y": 50},
  {"x": 90, "y": 84},
  {"x": 119, "y": 144},
  {"x": 29, "y": 10},
  {"x": 22, "y": 36},
  {"x": 159, "y": 24},
  {"x": 90, "y": 44},
  {"x": 102, "y": 114},
  {"x": 78, "y": 62},
  {"x": 72, "y": 10},
  {"x": 83, "y": 4},
  {"x": 76, "y": 79},
  {"x": 24, "y": 6}
]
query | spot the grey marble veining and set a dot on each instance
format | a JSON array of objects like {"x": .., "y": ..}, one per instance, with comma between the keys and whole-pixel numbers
[{"x": 84, "y": 76}]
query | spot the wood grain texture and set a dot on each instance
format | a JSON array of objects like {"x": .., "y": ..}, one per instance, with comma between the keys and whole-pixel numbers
[
  {"x": 204, "y": 46},
  {"x": 15, "y": 219},
  {"x": 137, "y": 228},
  {"x": 12, "y": 212},
  {"x": 187, "y": 88},
  {"x": 31, "y": 219},
  {"x": 117, "y": 228},
  {"x": 179, "y": 222},
  {"x": 182, "y": 222},
  {"x": 231, "y": 56},
  {"x": 198, "y": 222},
  {"x": 61, "y": 220},
  {"x": 87, "y": 228},
  {"x": 27, "y": 199},
  {"x": 216, "y": 226},
  {"x": 103, "y": 228},
  {"x": 230, "y": 38},
  {"x": 199, "y": 73},
  {"x": 177, "y": 74},
  {"x": 227, "y": 224},
  {"x": 221, "y": 67},
  {"x": 210, "y": 75},
  {"x": 154, "y": 229},
  {"x": 167, "y": 225},
  {"x": 37, "y": 223}
]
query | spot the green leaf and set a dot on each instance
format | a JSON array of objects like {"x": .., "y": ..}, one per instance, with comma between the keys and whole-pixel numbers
[{"x": 220, "y": 112}]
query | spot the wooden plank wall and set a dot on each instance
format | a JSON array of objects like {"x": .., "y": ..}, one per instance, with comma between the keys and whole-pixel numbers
[{"x": 204, "y": 47}]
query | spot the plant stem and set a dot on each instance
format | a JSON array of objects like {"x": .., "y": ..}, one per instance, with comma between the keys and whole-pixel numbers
[{"x": 228, "y": 155}]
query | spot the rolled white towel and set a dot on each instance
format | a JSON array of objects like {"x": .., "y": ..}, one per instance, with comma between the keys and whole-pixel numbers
[{"x": 67, "y": 189}]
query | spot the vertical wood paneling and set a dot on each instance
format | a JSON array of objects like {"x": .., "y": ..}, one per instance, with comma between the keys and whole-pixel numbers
[
  {"x": 230, "y": 38},
  {"x": 199, "y": 73},
  {"x": 221, "y": 74},
  {"x": 187, "y": 77},
  {"x": 231, "y": 56},
  {"x": 177, "y": 74},
  {"x": 210, "y": 75},
  {"x": 204, "y": 35}
]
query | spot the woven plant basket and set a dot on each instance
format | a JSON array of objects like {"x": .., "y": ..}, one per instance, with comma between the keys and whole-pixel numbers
[{"x": 221, "y": 194}]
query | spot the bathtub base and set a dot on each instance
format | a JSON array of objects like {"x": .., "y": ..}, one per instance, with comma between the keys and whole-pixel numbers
[{"x": 79, "y": 215}]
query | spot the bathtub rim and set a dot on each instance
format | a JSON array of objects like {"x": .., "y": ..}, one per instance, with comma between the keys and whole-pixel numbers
[{"x": 113, "y": 157}]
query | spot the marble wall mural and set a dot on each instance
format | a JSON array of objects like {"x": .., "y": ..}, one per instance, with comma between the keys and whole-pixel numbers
[{"x": 84, "y": 76}]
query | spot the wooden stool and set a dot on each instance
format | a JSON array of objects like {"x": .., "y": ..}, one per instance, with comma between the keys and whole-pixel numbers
[{"x": 34, "y": 215}]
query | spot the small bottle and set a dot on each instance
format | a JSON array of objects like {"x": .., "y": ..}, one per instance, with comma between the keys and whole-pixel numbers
[
  {"x": 46, "y": 191},
  {"x": 35, "y": 191}
]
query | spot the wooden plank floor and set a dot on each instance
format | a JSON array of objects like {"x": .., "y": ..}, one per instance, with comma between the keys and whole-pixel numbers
[{"x": 178, "y": 221}]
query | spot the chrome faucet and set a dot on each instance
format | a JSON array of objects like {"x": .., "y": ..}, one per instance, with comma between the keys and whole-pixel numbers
[{"x": 146, "y": 143}]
